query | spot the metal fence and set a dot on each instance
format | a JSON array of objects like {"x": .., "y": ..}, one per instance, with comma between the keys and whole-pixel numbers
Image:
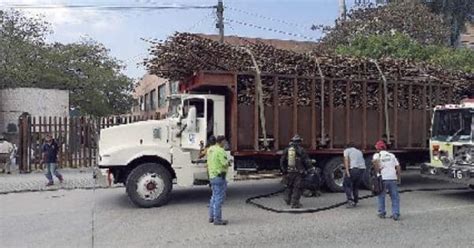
[{"x": 76, "y": 137}]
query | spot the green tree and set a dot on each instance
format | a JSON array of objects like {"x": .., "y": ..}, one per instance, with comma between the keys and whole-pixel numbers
[
  {"x": 84, "y": 68},
  {"x": 456, "y": 13},
  {"x": 402, "y": 47},
  {"x": 412, "y": 19}
]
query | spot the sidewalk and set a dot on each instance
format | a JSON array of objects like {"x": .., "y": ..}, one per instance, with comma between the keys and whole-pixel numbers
[{"x": 36, "y": 181}]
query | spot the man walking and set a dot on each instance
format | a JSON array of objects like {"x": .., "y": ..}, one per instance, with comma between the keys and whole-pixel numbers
[
  {"x": 294, "y": 164},
  {"x": 218, "y": 165},
  {"x": 386, "y": 165},
  {"x": 354, "y": 165},
  {"x": 50, "y": 158},
  {"x": 6, "y": 150}
]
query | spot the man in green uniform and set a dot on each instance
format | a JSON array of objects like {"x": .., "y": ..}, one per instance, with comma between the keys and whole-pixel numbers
[{"x": 218, "y": 165}]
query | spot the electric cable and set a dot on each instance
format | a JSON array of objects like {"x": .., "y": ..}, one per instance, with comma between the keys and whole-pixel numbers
[
  {"x": 337, "y": 205},
  {"x": 272, "y": 30}
]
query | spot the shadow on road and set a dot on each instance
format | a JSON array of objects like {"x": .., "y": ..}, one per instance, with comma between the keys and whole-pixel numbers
[{"x": 236, "y": 192}]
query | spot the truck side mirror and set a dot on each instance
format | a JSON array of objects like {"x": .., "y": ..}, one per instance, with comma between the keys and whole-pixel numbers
[{"x": 191, "y": 120}]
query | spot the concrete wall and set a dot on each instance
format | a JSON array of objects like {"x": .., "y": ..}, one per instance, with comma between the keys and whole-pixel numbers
[{"x": 36, "y": 102}]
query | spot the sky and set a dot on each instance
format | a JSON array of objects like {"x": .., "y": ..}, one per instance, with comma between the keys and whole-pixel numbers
[{"x": 122, "y": 31}]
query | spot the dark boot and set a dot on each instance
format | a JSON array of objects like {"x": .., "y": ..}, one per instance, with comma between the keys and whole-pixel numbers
[
  {"x": 296, "y": 205},
  {"x": 221, "y": 222},
  {"x": 287, "y": 196}
]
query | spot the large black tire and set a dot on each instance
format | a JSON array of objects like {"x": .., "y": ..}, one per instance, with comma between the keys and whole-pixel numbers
[
  {"x": 369, "y": 171},
  {"x": 333, "y": 173},
  {"x": 149, "y": 185}
]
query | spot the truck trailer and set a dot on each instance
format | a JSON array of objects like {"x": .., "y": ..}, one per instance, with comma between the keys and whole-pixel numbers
[{"x": 148, "y": 157}]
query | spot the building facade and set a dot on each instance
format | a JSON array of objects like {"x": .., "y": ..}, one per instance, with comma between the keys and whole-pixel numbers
[
  {"x": 467, "y": 38},
  {"x": 151, "y": 94}
]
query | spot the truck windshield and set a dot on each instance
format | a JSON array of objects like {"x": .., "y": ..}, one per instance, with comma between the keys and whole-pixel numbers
[
  {"x": 453, "y": 125},
  {"x": 173, "y": 104}
]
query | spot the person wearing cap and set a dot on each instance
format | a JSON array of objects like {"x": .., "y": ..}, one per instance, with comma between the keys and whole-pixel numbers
[
  {"x": 354, "y": 165},
  {"x": 218, "y": 164},
  {"x": 387, "y": 166},
  {"x": 6, "y": 150},
  {"x": 294, "y": 164},
  {"x": 50, "y": 158}
]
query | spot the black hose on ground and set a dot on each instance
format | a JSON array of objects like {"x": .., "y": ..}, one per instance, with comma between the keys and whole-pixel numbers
[{"x": 315, "y": 210}]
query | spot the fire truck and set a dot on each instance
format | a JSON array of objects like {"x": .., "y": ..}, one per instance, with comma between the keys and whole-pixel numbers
[{"x": 452, "y": 144}]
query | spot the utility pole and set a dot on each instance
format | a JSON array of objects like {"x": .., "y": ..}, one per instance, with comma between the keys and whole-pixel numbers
[
  {"x": 220, "y": 20},
  {"x": 342, "y": 9}
]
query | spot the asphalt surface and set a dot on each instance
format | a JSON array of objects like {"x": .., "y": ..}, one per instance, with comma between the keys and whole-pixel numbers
[{"x": 63, "y": 219}]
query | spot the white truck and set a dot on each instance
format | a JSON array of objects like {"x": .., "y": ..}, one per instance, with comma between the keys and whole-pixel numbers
[{"x": 149, "y": 156}]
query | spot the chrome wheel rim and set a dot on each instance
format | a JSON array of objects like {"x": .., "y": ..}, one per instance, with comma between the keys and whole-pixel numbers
[{"x": 150, "y": 186}]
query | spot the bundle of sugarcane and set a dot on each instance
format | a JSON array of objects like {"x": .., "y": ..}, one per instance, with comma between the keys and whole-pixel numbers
[{"x": 181, "y": 55}]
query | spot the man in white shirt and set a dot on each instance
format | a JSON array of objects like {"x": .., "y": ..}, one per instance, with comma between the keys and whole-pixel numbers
[
  {"x": 386, "y": 165},
  {"x": 354, "y": 165},
  {"x": 6, "y": 149}
]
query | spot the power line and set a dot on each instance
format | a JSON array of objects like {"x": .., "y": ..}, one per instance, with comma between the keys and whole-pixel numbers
[
  {"x": 269, "y": 18},
  {"x": 106, "y": 7},
  {"x": 195, "y": 25},
  {"x": 272, "y": 30}
]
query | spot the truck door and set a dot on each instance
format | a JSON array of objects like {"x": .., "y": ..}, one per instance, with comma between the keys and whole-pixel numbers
[{"x": 194, "y": 116}]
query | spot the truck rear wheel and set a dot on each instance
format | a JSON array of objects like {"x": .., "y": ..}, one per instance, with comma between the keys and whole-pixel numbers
[
  {"x": 149, "y": 185},
  {"x": 334, "y": 174},
  {"x": 369, "y": 171}
]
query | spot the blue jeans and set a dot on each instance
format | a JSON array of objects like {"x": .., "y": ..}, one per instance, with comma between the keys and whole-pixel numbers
[
  {"x": 392, "y": 187},
  {"x": 52, "y": 168},
  {"x": 219, "y": 187},
  {"x": 351, "y": 184}
]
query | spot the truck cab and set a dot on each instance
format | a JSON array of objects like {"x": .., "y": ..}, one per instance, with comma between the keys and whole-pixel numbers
[
  {"x": 149, "y": 156},
  {"x": 452, "y": 144}
]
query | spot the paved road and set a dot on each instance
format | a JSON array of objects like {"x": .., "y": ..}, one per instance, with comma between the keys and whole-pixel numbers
[{"x": 63, "y": 219}]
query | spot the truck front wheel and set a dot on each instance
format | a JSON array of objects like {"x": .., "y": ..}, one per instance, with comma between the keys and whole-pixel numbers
[
  {"x": 149, "y": 185},
  {"x": 334, "y": 174}
]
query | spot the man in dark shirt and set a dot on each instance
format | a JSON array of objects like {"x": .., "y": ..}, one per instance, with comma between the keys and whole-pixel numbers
[{"x": 50, "y": 159}]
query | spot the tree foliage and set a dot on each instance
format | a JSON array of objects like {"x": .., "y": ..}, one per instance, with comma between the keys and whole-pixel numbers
[
  {"x": 84, "y": 68},
  {"x": 413, "y": 19},
  {"x": 456, "y": 13},
  {"x": 402, "y": 47}
]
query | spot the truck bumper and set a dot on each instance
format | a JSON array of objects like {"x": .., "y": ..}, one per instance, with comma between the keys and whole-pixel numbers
[{"x": 454, "y": 174}]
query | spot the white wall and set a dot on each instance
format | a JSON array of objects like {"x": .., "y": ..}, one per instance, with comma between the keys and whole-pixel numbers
[{"x": 37, "y": 102}]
